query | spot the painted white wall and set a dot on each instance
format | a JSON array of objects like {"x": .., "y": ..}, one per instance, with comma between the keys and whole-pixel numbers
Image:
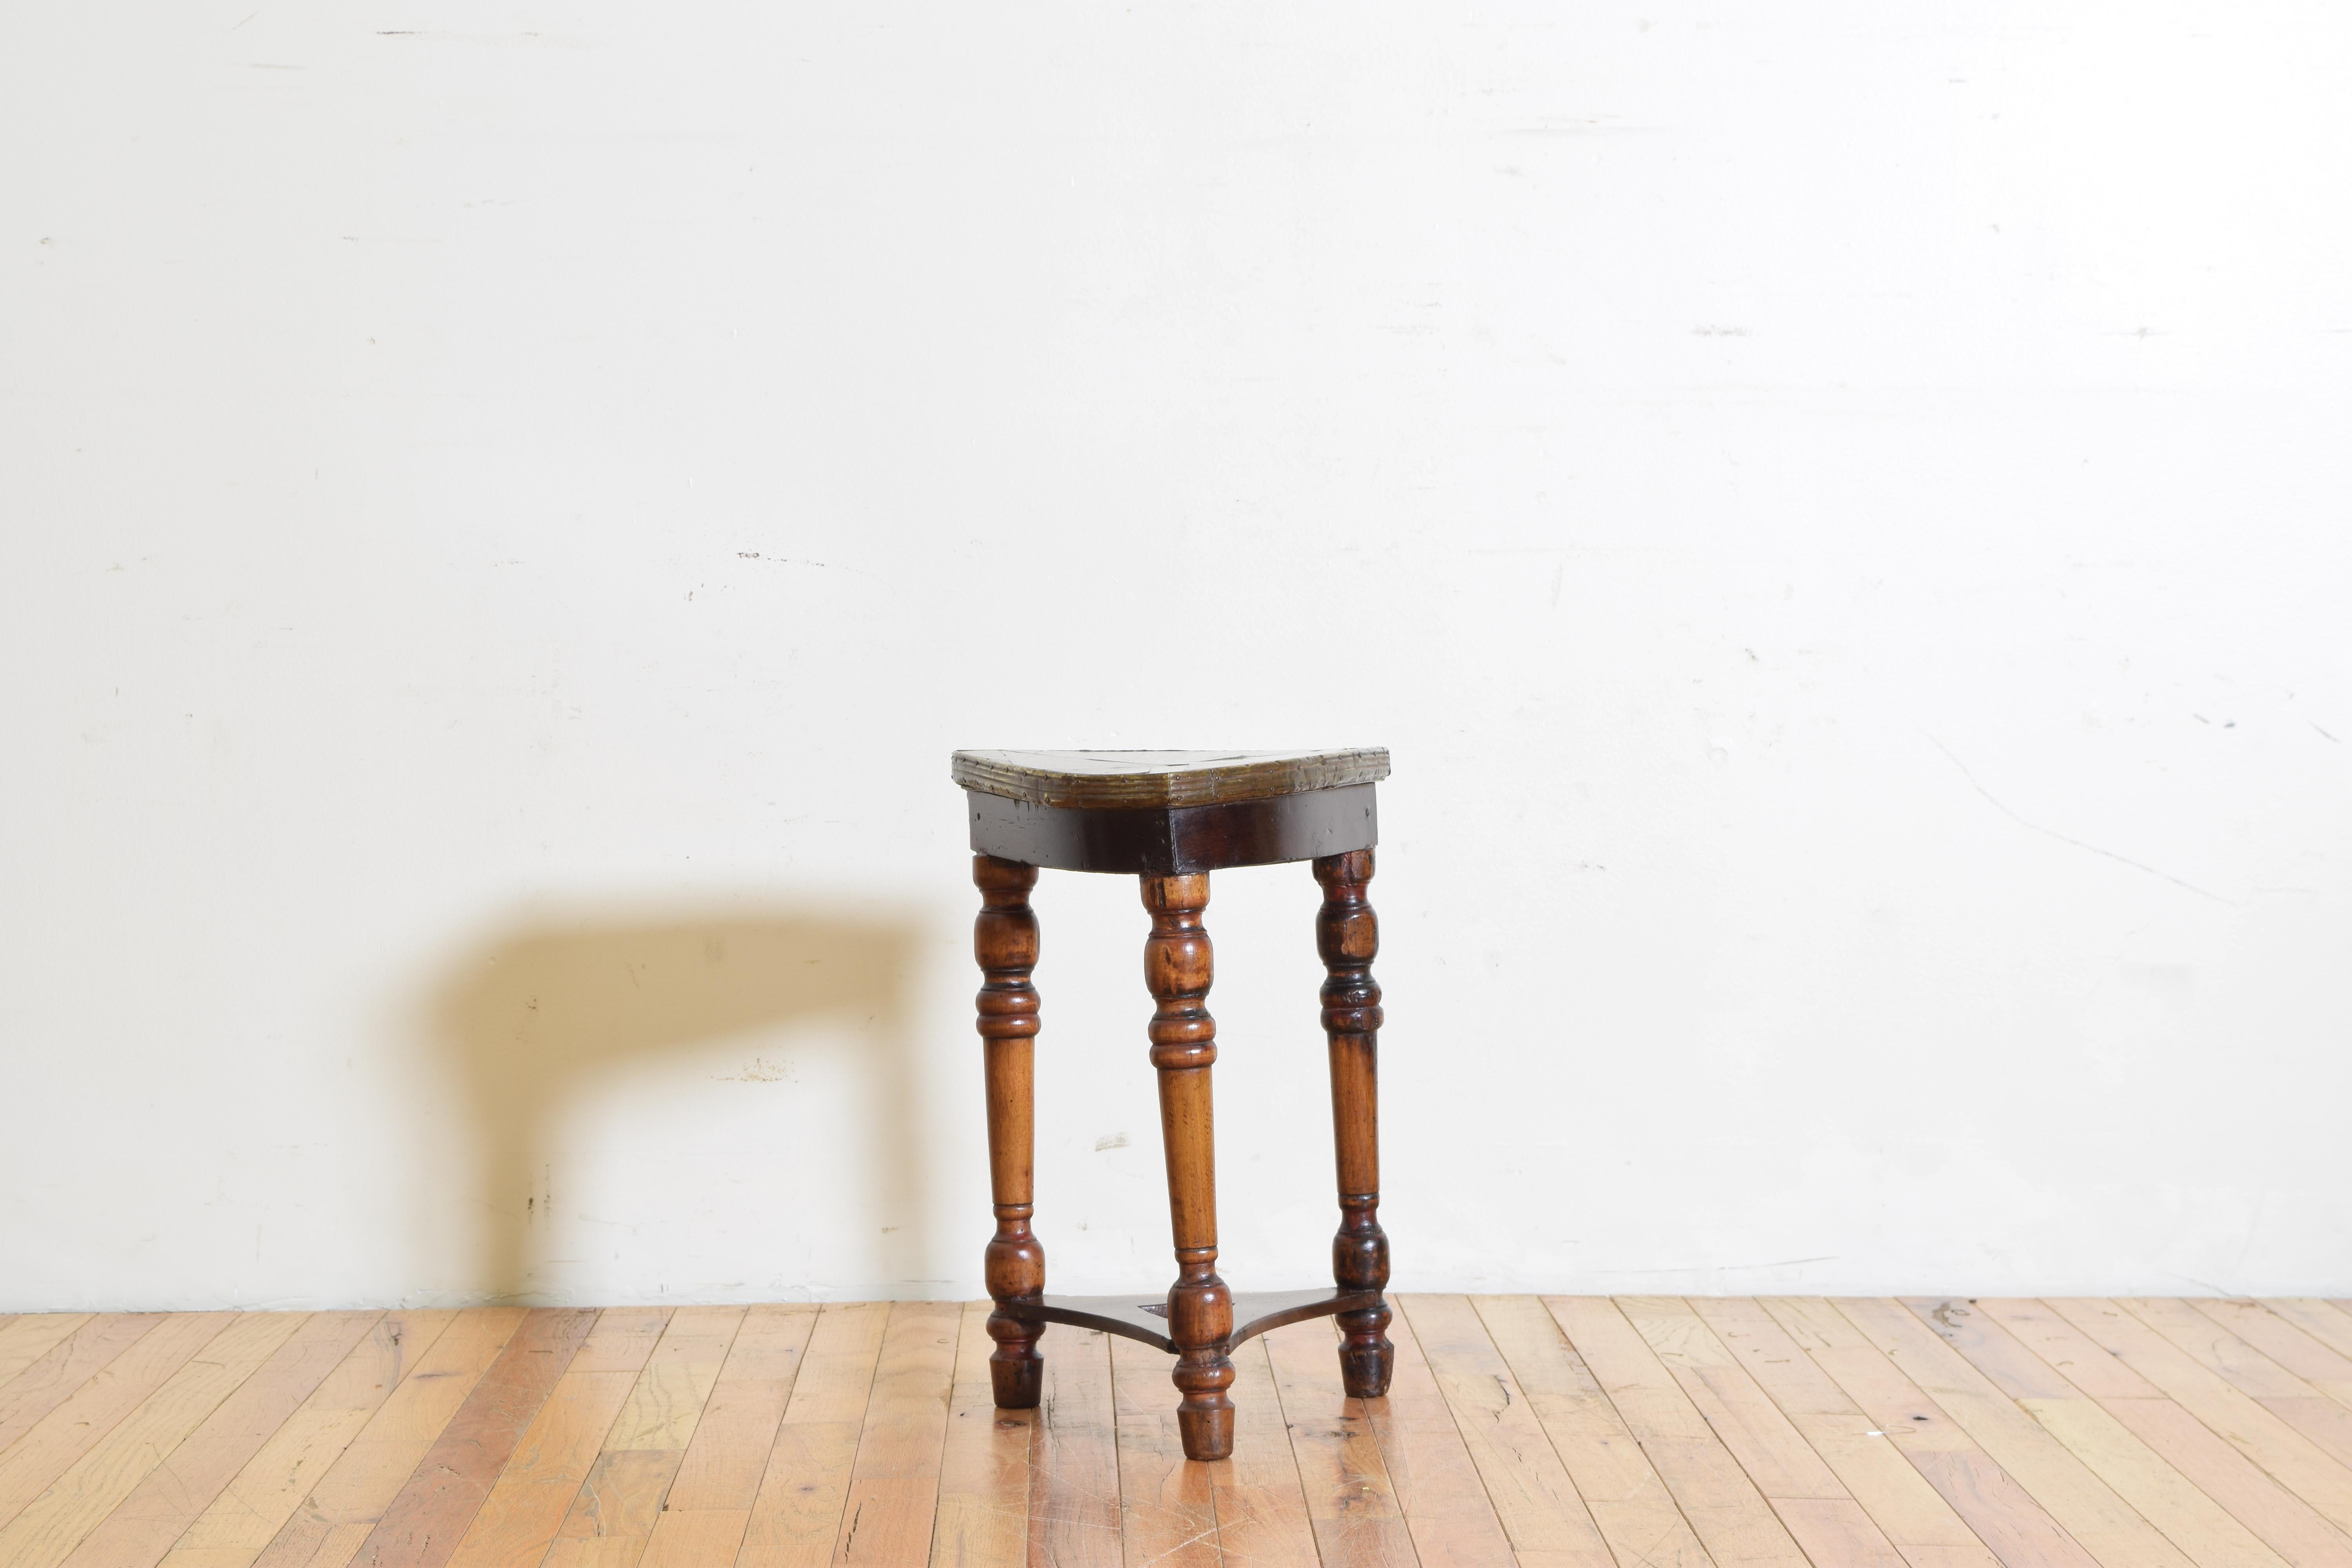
[{"x": 1842, "y": 519}]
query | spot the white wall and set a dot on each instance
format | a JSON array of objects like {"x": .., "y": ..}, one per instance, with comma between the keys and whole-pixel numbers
[{"x": 1842, "y": 520}]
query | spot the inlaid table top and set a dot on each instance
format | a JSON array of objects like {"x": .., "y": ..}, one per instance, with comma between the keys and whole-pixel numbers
[{"x": 1098, "y": 779}]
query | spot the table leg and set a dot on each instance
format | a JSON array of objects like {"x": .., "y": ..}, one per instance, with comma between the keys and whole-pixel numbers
[
  {"x": 1348, "y": 935},
  {"x": 1177, "y": 966},
  {"x": 1004, "y": 939}
]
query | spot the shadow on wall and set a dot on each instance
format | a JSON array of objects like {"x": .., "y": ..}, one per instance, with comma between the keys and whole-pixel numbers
[{"x": 532, "y": 1020}]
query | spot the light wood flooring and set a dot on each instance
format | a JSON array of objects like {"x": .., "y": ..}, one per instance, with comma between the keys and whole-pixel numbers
[{"x": 1556, "y": 1431}]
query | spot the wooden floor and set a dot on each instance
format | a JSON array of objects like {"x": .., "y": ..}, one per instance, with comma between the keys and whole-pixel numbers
[{"x": 1561, "y": 1432}]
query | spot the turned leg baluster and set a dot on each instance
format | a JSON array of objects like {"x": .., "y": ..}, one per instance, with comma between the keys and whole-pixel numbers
[
  {"x": 1177, "y": 967},
  {"x": 1348, "y": 935},
  {"x": 1004, "y": 939}
]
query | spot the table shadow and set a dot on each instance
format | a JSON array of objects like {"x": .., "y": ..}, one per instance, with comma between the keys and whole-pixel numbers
[{"x": 535, "y": 1017}]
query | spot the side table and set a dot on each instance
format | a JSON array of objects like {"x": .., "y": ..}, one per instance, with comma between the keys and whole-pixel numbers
[{"x": 1171, "y": 819}]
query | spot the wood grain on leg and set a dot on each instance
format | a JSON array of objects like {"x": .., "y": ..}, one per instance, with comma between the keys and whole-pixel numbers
[
  {"x": 1004, "y": 939},
  {"x": 1178, "y": 967},
  {"x": 1347, "y": 937}
]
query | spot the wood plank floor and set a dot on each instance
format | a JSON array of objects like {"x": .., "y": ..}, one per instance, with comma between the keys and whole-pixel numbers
[{"x": 1554, "y": 1432}]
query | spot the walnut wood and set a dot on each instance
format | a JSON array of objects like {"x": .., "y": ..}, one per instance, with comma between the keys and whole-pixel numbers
[
  {"x": 1169, "y": 818},
  {"x": 1095, "y": 780},
  {"x": 1254, "y": 1312},
  {"x": 1348, "y": 935},
  {"x": 1178, "y": 967},
  {"x": 1166, "y": 841},
  {"x": 1004, "y": 939}
]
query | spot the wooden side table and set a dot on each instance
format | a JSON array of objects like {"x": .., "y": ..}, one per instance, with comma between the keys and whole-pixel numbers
[{"x": 1171, "y": 819}]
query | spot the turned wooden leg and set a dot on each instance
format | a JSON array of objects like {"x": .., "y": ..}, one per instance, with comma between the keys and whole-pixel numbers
[
  {"x": 1348, "y": 934},
  {"x": 1177, "y": 967},
  {"x": 1004, "y": 939}
]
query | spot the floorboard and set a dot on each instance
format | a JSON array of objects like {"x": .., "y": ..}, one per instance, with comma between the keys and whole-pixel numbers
[
  {"x": 1829, "y": 1526},
  {"x": 140, "y": 1529},
  {"x": 984, "y": 1509},
  {"x": 2108, "y": 1527},
  {"x": 1637, "y": 1517},
  {"x": 1443, "y": 1348},
  {"x": 2329, "y": 1325},
  {"x": 1900, "y": 1500},
  {"x": 1074, "y": 1503},
  {"x": 248, "y": 1513},
  {"x": 1519, "y": 1432},
  {"x": 2255, "y": 1431},
  {"x": 81, "y": 1420},
  {"x": 2137, "y": 1471},
  {"x": 352, "y": 1488},
  {"x": 426, "y": 1520},
  {"x": 1997, "y": 1508},
  {"x": 25, "y": 1339},
  {"x": 552, "y": 1461},
  {"x": 1166, "y": 1506},
  {"x": 894, "y": 1484},
  {"x": 2299, "y": 1404},
  {"x": 1724, "y": 1504},
  {"x": 718, "y": 1481},
  {"x": 47, "y": 1376},
  {"x": 795, "y": 1515},
  {"x": 1262, "y": 1519},
  {"x": 1351, "y": 1503}
]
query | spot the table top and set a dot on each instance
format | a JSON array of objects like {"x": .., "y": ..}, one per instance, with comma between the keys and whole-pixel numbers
[{"x": 1099, "y": 779}]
